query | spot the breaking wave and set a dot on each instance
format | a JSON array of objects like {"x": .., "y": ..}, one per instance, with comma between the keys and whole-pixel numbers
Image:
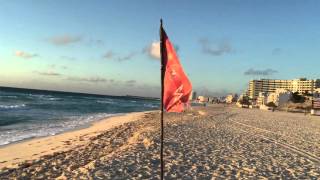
[{"x": 15, "y": 106}]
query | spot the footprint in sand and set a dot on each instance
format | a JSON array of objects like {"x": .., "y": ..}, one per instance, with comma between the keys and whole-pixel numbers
[
  {"x": 67, "y": 143},
  {"x": 55, "y": 148}
]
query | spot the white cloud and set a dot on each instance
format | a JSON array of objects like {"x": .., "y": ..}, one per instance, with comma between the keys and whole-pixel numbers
[
  {"x": 25, "y": 55},
  {"x": 153, "y": 50}
]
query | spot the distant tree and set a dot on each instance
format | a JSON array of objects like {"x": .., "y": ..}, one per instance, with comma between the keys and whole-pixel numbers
[
  {"x": 307, "y": 93},
  {"x": 296, "y": 98},
  {"x": 235, "y": 97},
  {"x": 244, "y": 101}
]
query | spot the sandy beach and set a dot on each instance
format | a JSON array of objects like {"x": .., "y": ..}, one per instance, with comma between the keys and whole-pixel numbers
[
  {"x": 12, "y": 155},
  {"x": 206, "y": 142}
]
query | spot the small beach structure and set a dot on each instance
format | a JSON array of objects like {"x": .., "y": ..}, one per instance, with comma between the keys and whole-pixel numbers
[{"x": 315, "y": 107}]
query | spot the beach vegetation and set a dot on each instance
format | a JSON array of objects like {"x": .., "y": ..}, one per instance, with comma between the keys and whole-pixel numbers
[
  {"x": 244, "y": 101},
  {"x": 297, "y": 98},
  {"x": 307, "y": 93},
  {"x": 271, "y": 104}
]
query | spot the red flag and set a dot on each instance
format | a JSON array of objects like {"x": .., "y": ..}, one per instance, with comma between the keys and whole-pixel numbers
[{"x": 177, "y": 87}]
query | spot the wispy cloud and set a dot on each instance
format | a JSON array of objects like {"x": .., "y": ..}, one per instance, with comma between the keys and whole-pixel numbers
[
  {"x": 97, "y": 79},
  {"x": 276, "y": 51},
  {"x": 88, "y": 79},
  {"x": 176, "y": 47},
  {"x": 109, "y": 55},
  {"x": 131, "y": 82},
  {"x": 203, "y": 90},
  {"x": 47, "y": 73},
  {"x": 126, "y": 57},
  {"x": 54, "y": 66},
  {"x": 69, "y": 58},
  {"x": 218, "y": 48},
  {"x": 265, "y": 72},
  {"x": 25, "y": 55},
  {"x": 95, "y": 42},
  {"x": 64, "y": 40}
]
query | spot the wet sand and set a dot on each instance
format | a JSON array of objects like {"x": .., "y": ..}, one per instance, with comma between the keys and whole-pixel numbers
[
  {"x": 12, "y": 155},
  {"x": 204, "y": 143}
]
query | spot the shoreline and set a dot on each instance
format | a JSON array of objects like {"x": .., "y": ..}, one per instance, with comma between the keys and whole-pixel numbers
[
  {"x": 31, "y": 149},
  {"x": 83, "y": 126}
]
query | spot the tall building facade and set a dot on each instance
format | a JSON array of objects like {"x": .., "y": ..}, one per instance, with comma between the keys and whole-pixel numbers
[
  {"x": 193, "y": 95},
  {"x": 268, "y": 86}
]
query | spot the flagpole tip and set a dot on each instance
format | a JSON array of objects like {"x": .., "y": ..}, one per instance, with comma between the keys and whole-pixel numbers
[{"x": 161, "y": 21}]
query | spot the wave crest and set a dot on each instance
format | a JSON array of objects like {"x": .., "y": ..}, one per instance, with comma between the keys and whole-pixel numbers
[{"x": 15, "y": 106}]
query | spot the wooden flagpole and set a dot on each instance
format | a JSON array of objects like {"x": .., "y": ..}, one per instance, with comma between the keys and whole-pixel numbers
[{"x": 161, "y": 99}]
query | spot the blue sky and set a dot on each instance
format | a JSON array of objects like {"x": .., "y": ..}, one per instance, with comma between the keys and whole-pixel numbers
[{"x": 108, "y": 47}]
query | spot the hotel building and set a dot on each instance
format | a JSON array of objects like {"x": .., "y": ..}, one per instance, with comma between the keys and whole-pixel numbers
[
  {"x": 270, "y": 85},
  {"x": 193, "y": 95}
]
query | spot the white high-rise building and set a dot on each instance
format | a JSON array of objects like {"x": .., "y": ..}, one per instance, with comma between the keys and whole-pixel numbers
[{"x": 268, "y": 86}]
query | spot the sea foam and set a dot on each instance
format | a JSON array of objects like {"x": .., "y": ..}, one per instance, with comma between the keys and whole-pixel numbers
[
  {"x": 20, "y": 132},
  {"x": 15, "y": 106}
]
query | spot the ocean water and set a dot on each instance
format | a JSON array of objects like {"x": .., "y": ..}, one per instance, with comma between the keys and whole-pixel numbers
[{"x": 27, "y": 114}]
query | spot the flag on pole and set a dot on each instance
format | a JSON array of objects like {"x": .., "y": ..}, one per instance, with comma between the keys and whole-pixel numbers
[{"x": 177, "y": 87}]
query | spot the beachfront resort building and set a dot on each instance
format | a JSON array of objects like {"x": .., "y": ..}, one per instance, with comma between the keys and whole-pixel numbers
[
  {"x": 261, "y": 99},
  {"x": 317, "y": 93},
  {"x": 269, "y": 86},
  {"x": 203, "y": 99},
  {"x": 279, "y": 97}
]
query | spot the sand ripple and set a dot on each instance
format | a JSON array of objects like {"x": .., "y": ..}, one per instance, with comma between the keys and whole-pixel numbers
[{"x": 223, "y": 142}]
